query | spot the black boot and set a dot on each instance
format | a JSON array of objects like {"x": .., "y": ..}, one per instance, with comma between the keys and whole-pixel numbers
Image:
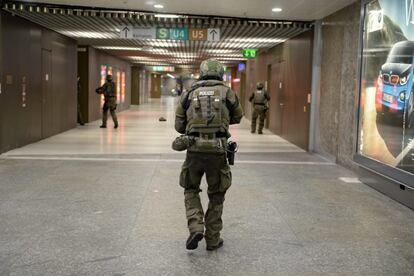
[
  {"x": 116, "y": 125},
  {"x": 193, "y": 240},
  {"x": 215, "y": 247},
  {"x": 103, "y": 126}
]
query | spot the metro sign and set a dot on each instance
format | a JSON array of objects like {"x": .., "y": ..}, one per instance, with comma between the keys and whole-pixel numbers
[
  {"x": 172, "y": 33},
  {"x": 192, "y": 34}
]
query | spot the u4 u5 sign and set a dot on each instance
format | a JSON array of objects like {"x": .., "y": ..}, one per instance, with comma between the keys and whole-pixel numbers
[{"x": 130, "y": 32}]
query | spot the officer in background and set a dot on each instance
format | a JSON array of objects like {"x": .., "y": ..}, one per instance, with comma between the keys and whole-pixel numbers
[
  {"x": 204, "y": 114},
  {"x": 259, "y": 99},
  {"x": 109, "y": 92}
]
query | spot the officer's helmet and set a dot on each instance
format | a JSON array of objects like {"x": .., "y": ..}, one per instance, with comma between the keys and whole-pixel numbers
[
  {"x": 260, "y": 86},
  {"x": 211, "y": 69},
  {"x": 109, "y": 77}
]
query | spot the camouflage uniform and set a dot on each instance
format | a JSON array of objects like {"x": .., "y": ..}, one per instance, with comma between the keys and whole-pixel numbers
[
  {"x": 109, "y": 92},
  {"x": 196, "y": 117},
  {"x": 259, "y": 99}
]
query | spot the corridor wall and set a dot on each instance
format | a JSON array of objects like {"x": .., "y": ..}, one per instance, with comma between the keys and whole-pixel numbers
[
  {"x": 38, "y": 83},
  {"x": 286, "y": 72},
  {"x": 351, "y": 62},
  {"x": 339, "y": 85}
]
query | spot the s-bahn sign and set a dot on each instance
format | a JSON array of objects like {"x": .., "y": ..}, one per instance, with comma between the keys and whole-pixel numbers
[{"x": 192, "y": 34}]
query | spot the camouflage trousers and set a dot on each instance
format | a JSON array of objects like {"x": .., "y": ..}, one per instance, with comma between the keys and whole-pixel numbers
[
  {"x": 110, "y": 104},
  {"x": 261, "y": 113},
  {"x": 218, "y": 176}
]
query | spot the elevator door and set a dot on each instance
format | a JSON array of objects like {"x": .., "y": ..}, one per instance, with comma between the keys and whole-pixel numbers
[{"x": 47, "y": 95}]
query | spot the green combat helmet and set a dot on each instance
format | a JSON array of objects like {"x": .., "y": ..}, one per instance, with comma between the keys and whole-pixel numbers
[
  {"x": 182, "y": 143},
  {"x": 109, "y": 78},
  {"x": 211, "y": 69},
  {"x": 260, "y": 86}
]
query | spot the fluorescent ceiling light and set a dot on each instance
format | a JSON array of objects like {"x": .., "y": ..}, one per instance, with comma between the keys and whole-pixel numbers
[
  {"x": 171, "y": 76},
  {"x": 158, "y": 6},
  {"x": 277, "y": 10},
  {"x": 256, "y": 39},
  {"x": 221, "y": 51},
  {"x": 160, "y": 15},
  {"x": 89, "y": 34},
  {"x": 118, "y": 48}
]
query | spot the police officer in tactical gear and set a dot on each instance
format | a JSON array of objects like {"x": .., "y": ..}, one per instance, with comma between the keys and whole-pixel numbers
[
  {"x": 109, "y": 92},
  {"x": 259, "y": 99},
  {"x": 204, "y": 114}
]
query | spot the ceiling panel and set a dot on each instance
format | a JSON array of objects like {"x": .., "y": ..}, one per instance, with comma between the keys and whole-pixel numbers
[
  {"x": 304, "y": 10},
  {"x": 101, "y": 29}
]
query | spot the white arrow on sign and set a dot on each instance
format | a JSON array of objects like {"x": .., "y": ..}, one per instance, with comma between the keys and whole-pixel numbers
[{"x": 213, "y": 34}]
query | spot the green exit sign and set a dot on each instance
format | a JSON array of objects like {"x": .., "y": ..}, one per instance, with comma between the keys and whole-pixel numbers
[{"x": 250, "y": 53}]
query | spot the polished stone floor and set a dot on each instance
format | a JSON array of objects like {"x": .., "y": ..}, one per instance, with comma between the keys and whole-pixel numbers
[{"x": 107, "y": 202}]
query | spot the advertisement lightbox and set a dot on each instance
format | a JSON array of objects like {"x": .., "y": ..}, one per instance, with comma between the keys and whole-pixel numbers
[{"x": 386, "y": 122}]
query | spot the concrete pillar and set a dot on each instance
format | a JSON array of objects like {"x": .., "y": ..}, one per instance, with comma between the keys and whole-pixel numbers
[{"x": 316, "y": 77}]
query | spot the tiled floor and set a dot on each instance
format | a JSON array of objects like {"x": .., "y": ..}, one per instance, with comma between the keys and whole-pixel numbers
[{"x": 107, "y": 202}]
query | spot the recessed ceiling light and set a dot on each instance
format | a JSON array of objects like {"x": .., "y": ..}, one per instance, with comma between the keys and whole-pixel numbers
[
  {"x": 167, "y": 16},
  {"x": 158, "y": 6},
  {"x": 277, "y": 10}
]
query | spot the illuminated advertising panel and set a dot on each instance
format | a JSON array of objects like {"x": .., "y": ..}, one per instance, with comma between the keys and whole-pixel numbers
[
  {"x": 386, "y": 123},
  {"x": 103, "y": 79},
  {"x": 118, "y": 86},
  {"x": 123, "y": 87}
]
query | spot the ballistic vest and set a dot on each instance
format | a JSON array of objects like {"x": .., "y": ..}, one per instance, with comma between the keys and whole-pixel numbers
[
  {"x": 259, "y": 97},
  {"x": 207, "y": 112},
  {"x": 109, "y": 89}
]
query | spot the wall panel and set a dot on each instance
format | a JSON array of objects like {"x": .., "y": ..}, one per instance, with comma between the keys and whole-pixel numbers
[
  {"x": 287, "y": 71},
  {"x": 21, "y": 97},
  {"x": 338, "y": 87}
]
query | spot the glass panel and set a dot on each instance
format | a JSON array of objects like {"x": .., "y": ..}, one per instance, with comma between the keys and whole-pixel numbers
[{"x": 386, "y": 131}]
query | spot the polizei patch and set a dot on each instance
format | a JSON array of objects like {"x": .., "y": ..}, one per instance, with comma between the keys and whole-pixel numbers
[{"x": 207, "y": 93}]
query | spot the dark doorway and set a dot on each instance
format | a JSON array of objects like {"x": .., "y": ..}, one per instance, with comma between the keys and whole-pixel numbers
[
  {"x": 47, "y": 95},
  {"x": 243, "y": 89}
]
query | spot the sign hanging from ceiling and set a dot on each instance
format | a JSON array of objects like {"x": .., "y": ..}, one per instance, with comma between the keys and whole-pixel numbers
[
  {"x": 160, "y": 68},
  {"x": 250, "y": 53},
  {"x": 130, "y": 32},
  {"x": 172, "y": 33}
]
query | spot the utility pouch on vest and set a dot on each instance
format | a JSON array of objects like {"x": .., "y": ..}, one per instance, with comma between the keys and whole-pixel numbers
[{"x": 208, "y": 145}]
